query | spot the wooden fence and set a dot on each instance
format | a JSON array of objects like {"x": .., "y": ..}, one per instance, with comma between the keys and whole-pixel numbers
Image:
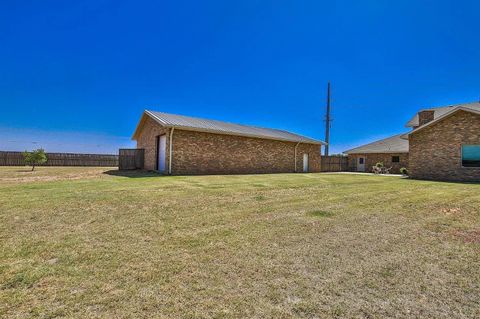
[
  {"x": 335, "y": 163},
  {"x": 130, "y": 158},
  {"x": 61, "y": 159}
]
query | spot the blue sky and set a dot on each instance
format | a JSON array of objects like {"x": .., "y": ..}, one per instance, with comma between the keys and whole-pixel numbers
[{"x": 76, "y": 75}]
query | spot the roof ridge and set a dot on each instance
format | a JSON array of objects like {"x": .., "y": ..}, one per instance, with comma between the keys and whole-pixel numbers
[{"x": 450, "y": 105}]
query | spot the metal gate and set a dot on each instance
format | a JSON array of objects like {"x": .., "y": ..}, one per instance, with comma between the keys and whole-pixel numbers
[{"x": 130, "y": 158}]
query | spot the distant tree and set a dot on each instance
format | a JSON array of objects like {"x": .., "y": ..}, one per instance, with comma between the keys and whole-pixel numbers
[{"x": 35, "y": 157}]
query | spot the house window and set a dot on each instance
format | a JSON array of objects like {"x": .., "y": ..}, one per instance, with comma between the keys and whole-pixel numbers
[
  {"x": 471, "y": 155},
  {"x": 395, "y": 159},
  {"x": 361, "y": 161}
]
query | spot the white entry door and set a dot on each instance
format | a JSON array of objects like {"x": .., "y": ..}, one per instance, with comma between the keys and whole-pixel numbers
[
  {"x": 162, "y": 150},
  {"x": 305, "y": 163},
  {"x": 361, "y": 164}
]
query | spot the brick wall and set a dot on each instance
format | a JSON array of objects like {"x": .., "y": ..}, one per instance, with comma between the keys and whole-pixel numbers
[
  {"x": 425, "y": 116},
  {"x": 372, "y": 159},
  {"x": 147, "y": 140},
  {"x": 435, "y": 152},
  {"x": 208, "y": 153}
]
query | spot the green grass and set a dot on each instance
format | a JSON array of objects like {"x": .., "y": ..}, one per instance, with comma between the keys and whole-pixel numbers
[{"x": 75, "y": 242}]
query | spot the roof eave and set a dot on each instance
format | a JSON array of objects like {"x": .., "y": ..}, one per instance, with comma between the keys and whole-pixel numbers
[{"x": 189, "y": 128}]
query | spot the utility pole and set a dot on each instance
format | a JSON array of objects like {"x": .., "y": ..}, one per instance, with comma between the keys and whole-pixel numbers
[{"x": 327, "y": 121}]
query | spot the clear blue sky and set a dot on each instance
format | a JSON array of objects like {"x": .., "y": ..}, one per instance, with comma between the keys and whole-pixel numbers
[{"x": 76, "y": 75}]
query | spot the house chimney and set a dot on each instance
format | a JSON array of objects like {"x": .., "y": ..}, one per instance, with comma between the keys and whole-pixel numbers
[{"x": 425, "y": 116}]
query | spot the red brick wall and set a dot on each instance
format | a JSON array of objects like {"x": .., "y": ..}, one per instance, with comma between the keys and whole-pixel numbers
[
  {"x": 207, "y": 153},
  {"x": 147, "y": 141},
  {"x": 435, "y": 152},
  {"x": 373, "y": 158}
]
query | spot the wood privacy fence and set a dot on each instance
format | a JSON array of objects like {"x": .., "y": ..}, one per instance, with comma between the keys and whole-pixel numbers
[
  {"x": 130, "y": 158},
  {"x": 335, "y": 163},
  {"x": 61, "y": 159}
]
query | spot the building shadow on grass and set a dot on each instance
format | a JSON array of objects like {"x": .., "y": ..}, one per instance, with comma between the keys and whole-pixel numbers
[
  {"x": 440, "y": 181},
  {"x": 132, "y": 173}
]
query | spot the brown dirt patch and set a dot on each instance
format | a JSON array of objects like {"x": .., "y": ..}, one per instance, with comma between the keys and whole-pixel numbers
[
  {"x": 468, "y": 236},
  {"x": 47, "y": 174},
  {"x": 451, "y": 211}
]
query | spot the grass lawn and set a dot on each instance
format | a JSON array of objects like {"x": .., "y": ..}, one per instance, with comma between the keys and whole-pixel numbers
[{"x": 76, "y": 242}]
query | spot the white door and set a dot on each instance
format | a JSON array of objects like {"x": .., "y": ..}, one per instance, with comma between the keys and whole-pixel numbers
[
  {"x": 361, "y": 164},
  {"x": 162, "y": 150},
  {"x": 305, "y": 163}
]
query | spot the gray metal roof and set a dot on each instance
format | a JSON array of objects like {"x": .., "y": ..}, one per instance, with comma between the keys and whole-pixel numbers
[
  {"x": 213, "y": 126},
  {"x": 440, "y": 111},
  {"x": 393, "y": 144}
]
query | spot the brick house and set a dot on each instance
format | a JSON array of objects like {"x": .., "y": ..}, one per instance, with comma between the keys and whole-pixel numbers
[
  {"x": 444, "y": 144},
  {"x": 182, "y": 145},
  {"x": 391, "y": 151}
]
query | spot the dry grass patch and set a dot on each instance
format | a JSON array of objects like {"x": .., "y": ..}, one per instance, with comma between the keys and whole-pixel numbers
[
  {"x": 24, "y": 174},
  {"x": 275, "y": 246}
]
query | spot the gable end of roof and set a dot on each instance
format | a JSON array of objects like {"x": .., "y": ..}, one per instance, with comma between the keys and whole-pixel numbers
[
  {"x": 444, "y": 116},
  {"x": 143, "y": 119}
]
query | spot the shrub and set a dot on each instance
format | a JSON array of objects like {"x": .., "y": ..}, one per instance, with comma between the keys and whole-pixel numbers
[
  {"x": 404, "y": 171},
  {"x": 35, "y": 157},
  {"x": 379, "y": 165}
]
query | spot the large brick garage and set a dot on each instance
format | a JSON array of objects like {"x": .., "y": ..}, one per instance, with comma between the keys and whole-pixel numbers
[{"x": 182, "y": 145}]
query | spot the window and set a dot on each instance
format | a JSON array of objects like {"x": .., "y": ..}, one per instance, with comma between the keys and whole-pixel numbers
[
  {"x": 471, "y": 155},
  {"x": 395, "y": 159},
  {"x": 361, "y": 160}
]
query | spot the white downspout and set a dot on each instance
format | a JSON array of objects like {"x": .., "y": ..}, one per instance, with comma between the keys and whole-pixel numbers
[
  {"x": 296, "y": 156},
  {"x": 170, "y": 155}
]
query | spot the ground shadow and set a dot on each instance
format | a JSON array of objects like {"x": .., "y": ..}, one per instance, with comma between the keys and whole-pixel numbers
[
  {"x": 132, "y": 173},
  {"x": 445, "y": 181}
]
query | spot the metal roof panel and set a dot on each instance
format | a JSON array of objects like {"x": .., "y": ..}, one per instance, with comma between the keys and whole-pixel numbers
[{"x": 214, "y": 126}]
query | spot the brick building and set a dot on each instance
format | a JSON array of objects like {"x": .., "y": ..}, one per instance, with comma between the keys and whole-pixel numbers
[
  {"x": 392, "y": 152},
  {"x": 444, "y": 144},
  {"x": 182, "y": 145}
]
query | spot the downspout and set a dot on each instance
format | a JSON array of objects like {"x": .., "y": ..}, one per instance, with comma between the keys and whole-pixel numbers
[
  {"x": 170, "y": 154},
  {"x": 296, "y": 156}
]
